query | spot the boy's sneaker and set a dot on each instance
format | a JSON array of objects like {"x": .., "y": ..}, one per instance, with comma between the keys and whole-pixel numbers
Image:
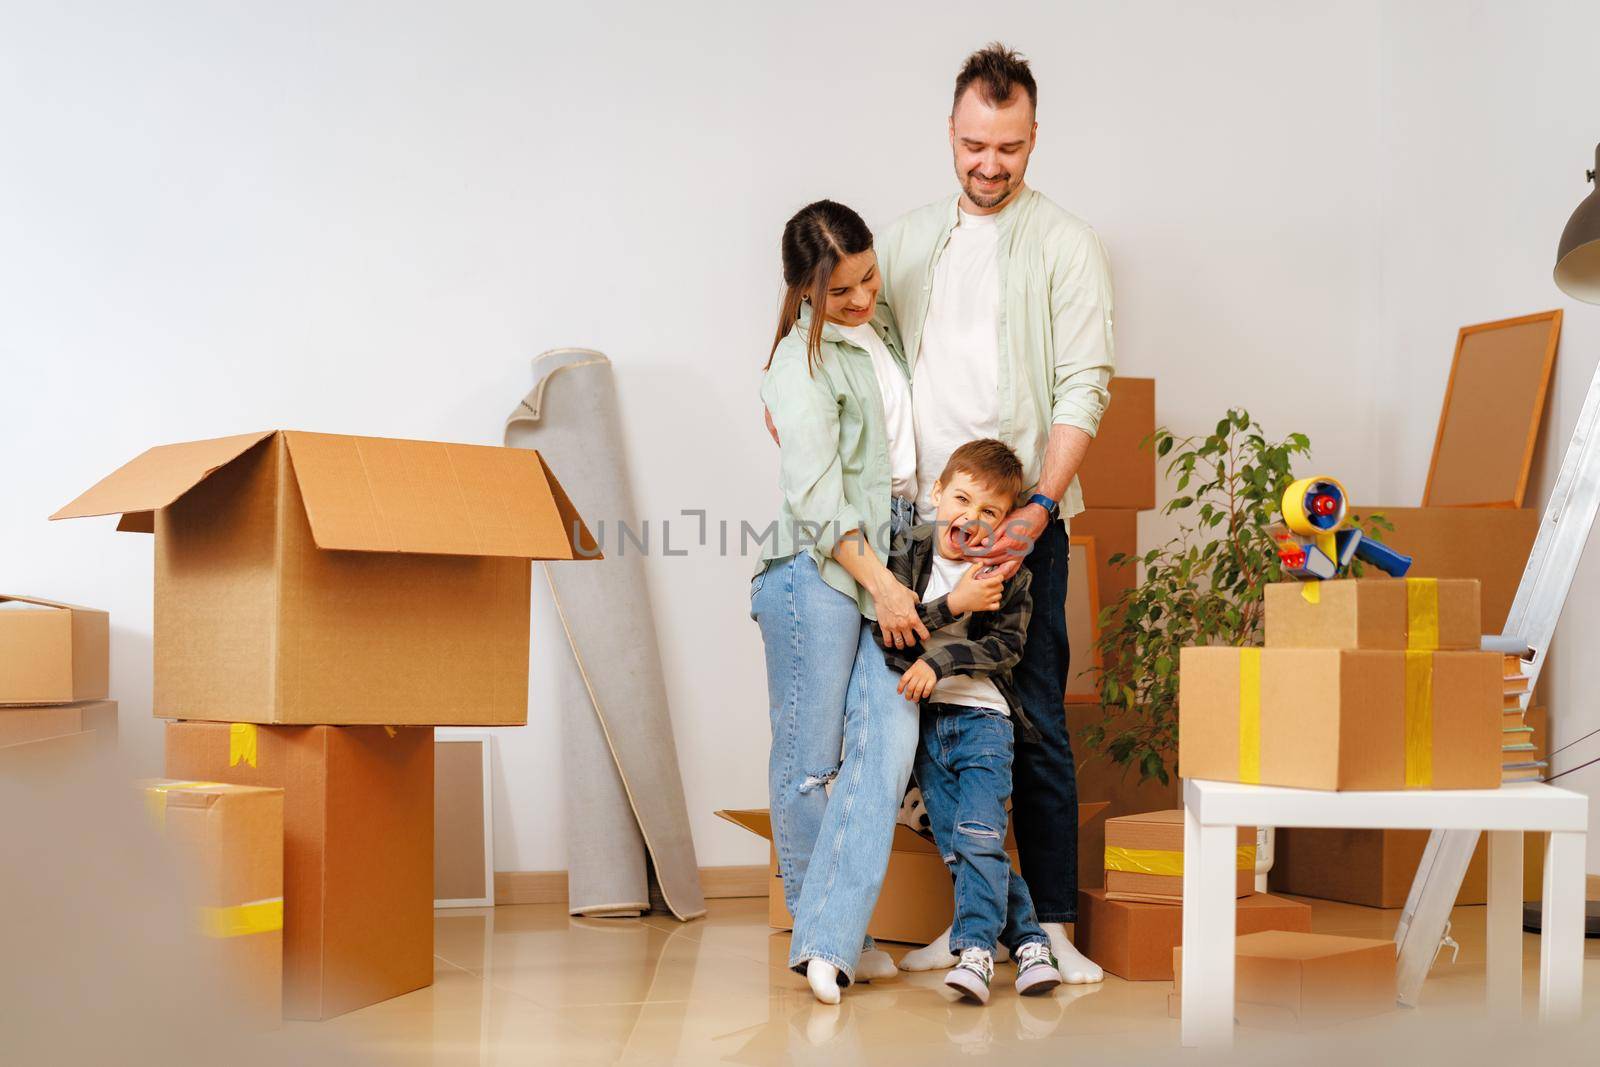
[
  {"x": 1036, "y": 969},
  {"x": 972, "y": 975}
]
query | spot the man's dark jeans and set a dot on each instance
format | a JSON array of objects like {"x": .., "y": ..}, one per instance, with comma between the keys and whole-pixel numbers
[{"x": 1044, "y": 801}]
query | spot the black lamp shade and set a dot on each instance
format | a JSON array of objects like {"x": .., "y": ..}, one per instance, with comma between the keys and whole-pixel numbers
[{"x": 1578, "y": 257}]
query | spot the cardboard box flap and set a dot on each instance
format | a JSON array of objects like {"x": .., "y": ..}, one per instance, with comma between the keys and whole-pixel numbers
[
  {"x": 372, "y": 494},
  {"x": 158, "y": 477},
  {"x": 43, "y": 603}
]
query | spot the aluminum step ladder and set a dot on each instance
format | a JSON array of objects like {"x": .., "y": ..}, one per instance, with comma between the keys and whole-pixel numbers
[{"x": 1563, "y": 532}]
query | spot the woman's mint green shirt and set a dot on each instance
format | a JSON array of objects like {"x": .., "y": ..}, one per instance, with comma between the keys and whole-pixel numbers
[{"x": 834, "y": 449}]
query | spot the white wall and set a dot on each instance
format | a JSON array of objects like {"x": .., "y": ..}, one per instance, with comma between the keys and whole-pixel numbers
[
  {"x": 368, "y": 218},
  {"x": 1489, "y": 121}
]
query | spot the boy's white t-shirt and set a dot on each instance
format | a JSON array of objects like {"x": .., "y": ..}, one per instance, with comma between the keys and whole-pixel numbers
[
  {"x": 956, "y": 385},
  {"x": 897, "y": 415},
  {"x": 968, "y": 690}
]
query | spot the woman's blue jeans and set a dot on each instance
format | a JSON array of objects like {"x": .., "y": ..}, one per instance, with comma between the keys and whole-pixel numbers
[{"x": 836, "y": 722}]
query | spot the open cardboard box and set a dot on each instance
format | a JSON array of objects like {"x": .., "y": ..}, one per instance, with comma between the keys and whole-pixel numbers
[
  {"x": 322, "y": 579},
  {"x": 916, "y": 903}
]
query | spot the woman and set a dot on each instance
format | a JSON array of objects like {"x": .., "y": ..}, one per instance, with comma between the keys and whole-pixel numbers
[{"x": 839, "y": 401}]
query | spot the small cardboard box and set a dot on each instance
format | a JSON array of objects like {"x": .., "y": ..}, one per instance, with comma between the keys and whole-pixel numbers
[
  {"x": 1337, "y": 719},
  {"x": 357, "y": 850},
  {"x": 1420, "y": 614},
  {"x": 1144, "y": 858},
  {"x": 52, "y": 653},
  {"x": 229, "y": 840},
  {"x": 1293, "y": 980},
  {"x": 915, "y": 904},
  {"x": 1116, "y": 471},
  {"x": 1134, "y": 941},
  {"x": 20, "y": 725},
  {"x": 315, "y": 578}
]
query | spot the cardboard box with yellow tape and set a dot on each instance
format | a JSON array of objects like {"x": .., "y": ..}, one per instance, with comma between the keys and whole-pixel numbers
[
  {"x": 1144, "y": 858},
  {"x": 1397, "y": 615},
  {"x": 1340, "y": 718},
  {"x": 229, "y": 840}
]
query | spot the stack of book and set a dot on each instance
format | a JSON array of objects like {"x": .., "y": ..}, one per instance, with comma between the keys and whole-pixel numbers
[{"x": 1519, "y": 753}]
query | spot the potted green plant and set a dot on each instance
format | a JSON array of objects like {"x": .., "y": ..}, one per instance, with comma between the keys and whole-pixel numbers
[{"x": 1204, "y": 587}]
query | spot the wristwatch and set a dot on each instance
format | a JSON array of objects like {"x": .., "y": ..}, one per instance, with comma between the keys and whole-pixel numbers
[{"x": 1053, "y": 508}]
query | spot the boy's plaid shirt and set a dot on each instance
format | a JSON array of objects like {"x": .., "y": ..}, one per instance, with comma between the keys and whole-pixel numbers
[{"x": 994, "y": 639}]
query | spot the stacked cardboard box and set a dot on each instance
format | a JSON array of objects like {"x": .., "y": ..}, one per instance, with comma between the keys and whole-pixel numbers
[
  {"x": 321, "y": 602},
  {"x": 1144, "y": 858},
  {"x": 1118, "y": 478},
  {"x": 1132, "y": 925},
  {"x": 229, "y": 841},
  {"x": 55, "y": 669},
  {"x": 1370, "y": 684}
]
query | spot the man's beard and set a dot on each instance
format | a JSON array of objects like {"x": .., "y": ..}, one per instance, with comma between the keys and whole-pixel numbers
[{"x": 987, "y": 200}]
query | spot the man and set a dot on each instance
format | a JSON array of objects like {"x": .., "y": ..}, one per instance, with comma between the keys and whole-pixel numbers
[{"x": 1004, "y": 304}]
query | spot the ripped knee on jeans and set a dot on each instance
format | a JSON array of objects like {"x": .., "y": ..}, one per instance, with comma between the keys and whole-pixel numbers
[
  {"x": 977, "y": 829},
  {"x": 818, "y": 781}
]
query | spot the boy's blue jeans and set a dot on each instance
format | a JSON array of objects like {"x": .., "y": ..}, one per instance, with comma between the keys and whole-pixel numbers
[{"x": 964, "y": 769}]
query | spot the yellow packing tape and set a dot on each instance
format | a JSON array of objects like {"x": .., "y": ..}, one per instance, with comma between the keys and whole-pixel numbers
[
  {"x": 256, "y": 917},
  {"x": 241, "y": 743},
  {"x": 1165, "y": 862},
  {"x": 1422, "y": 614},
  {"x": 1419, "y": 720},
  {"x": 1311, "y": 592},
  {"x": 1329, "y": 545},
  {"x": 1250, "y": 716}
]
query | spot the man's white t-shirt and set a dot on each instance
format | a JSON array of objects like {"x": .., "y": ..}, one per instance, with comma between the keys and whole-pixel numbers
[
  {"x": 897, "y": 414},
  {"x": 956, "y": 384},
  {"x": 968, "y": 690}
]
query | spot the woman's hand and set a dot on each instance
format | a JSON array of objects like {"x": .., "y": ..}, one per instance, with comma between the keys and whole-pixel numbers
[
  {"x": 897, "y": 613},
  {"x": 977, "y": 591},
  {"x": 917, "y": 683}
]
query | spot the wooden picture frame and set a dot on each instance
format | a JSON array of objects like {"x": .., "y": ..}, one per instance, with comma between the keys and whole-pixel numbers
[
  {"x": 1083, "y": 619},
  {"x": 456, "y": 840},
  {"x": 1493, "y": 405}
]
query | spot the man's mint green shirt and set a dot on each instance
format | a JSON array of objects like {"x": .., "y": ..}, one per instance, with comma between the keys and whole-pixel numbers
[
  {"x": 833, "y": 451},
  {"x": 1056, "y": 352}
]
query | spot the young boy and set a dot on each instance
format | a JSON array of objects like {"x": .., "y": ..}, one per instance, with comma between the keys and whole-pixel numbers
[{"x": 962, "y": 674}]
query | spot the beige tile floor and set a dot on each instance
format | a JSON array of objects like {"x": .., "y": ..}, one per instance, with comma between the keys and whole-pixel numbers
[{"x": 526, "y": 985}]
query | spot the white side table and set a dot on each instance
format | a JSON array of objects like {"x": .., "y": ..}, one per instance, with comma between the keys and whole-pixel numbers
[{"x": 1214, "y": 810}]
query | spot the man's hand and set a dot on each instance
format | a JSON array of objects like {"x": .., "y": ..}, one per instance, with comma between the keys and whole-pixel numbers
[
  {"x": 975, "y": 591},
  {"x": 917, "y": 683},
  {"x": 1016, "y": 537},
  {"x": 766, "y": 413}
]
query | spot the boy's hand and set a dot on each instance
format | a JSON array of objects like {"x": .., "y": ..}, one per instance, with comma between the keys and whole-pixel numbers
[
  {"x": 917, "y": 683},
  {"x": 974, "y": 593}
]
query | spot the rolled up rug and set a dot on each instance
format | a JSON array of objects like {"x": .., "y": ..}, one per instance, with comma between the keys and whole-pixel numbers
[{"x": 623, "y": 787}]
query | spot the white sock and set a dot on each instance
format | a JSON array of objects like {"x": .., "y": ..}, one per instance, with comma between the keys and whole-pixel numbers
[
  {"x": 875, "y": 963},
  {"x": 824, "y": 979},
  {"x": 1075, "y": 967},
  {"x": 934, "y": 956}
]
